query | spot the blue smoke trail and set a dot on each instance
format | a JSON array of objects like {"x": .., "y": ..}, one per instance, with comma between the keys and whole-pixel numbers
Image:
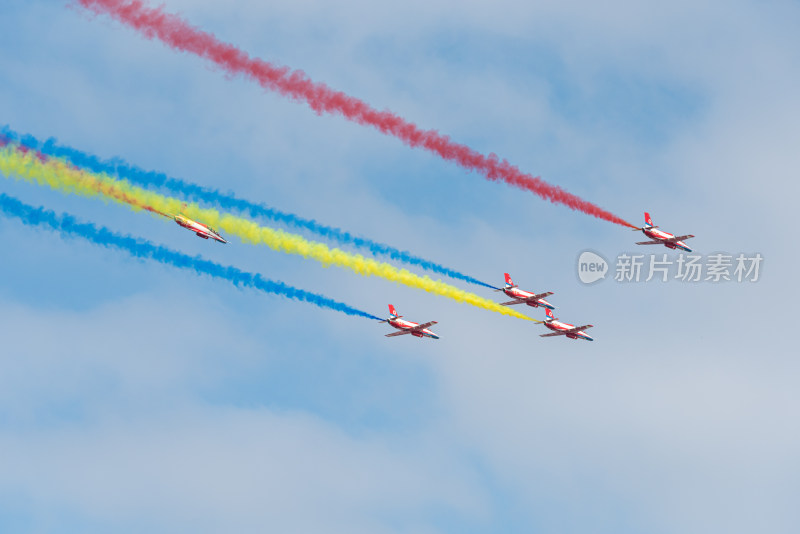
[
  {"x": 139, "y": 248},
  {"x": 228, "y": 201}
]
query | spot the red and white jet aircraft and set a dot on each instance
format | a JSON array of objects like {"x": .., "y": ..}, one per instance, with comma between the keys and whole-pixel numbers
[
  {"x": 202, "y": 230},
  {"x": 662, "y": 238},
  {"x": 565, "y": 329},
  {"x": 407, "y": 327},
  {"x": 524, "y": 297}
]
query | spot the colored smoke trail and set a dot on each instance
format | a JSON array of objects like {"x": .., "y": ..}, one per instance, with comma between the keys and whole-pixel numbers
[
  {"x": 139, "y": 248},
  {"x": 198, "y": 193},
  {"x": 180, "y": 35},
  {"x": 57, "y": 174}
]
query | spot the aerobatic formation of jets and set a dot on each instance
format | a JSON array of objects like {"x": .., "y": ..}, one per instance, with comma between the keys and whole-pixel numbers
[
  {"x": 537, "y": 300},
  {"x": 511, "y": 289},
  {"x": 316, "y": 94}
]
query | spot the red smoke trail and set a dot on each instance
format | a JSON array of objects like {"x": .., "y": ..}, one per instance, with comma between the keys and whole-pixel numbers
[{"x": 180, "y": 35}]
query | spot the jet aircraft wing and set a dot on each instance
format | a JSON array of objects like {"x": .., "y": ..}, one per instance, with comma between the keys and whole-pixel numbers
[
  {"x": 418, "y": 328},
  {"x": 400, "y": 333},
  {"x": 422, "y": 326},
  {"x": 655, "y": 242},
  {"x": 679, "y": 238},
  {"x": 578, "y": 329},
  {"x": 574, "y": 330},
  {"x": 553, "y": 334},
  {"x": 528, "y": 299}
]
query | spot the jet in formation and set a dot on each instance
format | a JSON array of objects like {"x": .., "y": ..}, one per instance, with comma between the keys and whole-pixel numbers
[
  {"x": 407, "y": 327},
  {"x": 565, "y": 329},
  {"x": 200, "y": 229},
  {"x": 662, "y": 238},
  {"x": 524, "y": 297}
]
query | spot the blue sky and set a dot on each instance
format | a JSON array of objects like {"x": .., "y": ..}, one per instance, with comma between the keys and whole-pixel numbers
[{"x": 134, "y": 396}]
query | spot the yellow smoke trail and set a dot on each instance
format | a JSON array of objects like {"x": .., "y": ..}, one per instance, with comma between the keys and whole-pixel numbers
[{"x": 59, "y": 175}]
